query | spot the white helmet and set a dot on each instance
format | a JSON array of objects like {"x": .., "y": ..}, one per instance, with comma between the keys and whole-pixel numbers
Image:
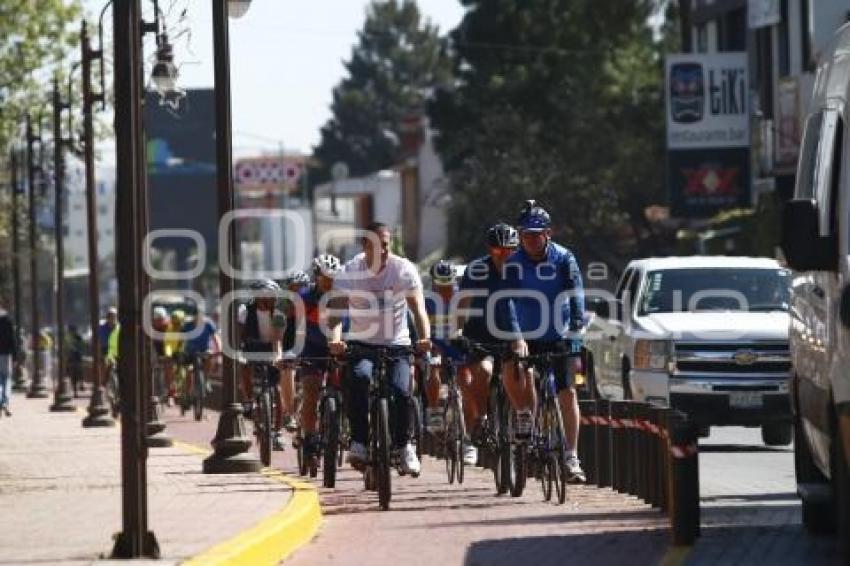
[{"x": 327, "y": 265}]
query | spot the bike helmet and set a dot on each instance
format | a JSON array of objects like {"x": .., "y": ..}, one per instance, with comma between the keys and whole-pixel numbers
[
  {"x": 160, "y": 313},
  {"x": 264, "y": 285},
  {"x": 442, "y": 273},
  {"x": 533, "y": 217},
  {"x": 327, "y": 265},
  {"x": 298, "y": 278},
  {"x": 178, "y": 315},
  {"x": 502, "y": 236}
]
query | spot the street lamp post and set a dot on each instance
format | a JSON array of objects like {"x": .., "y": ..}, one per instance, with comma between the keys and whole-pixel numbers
[
  {"x": 18, "y": 378},
  {"x": 134, "y": 540},
  {"x": 37, "y": 388},
  {"x": 62, "y": 398},
  {"x": 231, "y": 443},
  {"x": 98, "y": 411}
]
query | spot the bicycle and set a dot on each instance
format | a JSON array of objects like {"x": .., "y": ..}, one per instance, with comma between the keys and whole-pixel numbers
[
  {"x": 453, "y": 418},
  {"x": 548, "y": 441},
  {"x": 264, "y": 407},
  {"x": 494, "y": 437},
  {"x": 380, "y": 459},
  {"x": 332, "y": 432},
  {"x": 196, "y": 391}
]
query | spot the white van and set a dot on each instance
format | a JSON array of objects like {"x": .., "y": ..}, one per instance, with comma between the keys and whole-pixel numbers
[{"x": 816, "y": 243}]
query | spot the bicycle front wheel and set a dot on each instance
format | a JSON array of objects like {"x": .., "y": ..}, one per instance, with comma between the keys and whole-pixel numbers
[
  {"x": 383, "y": 455},
  {"x": 558, "y": 454},
  {"x": 199, "y": 394},
  {"x": 330, "y": 441},
  {"x": 264, "y": 427}
]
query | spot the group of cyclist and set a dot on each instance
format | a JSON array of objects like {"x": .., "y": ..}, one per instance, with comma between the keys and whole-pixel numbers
[{"x": 376, "y": 302}]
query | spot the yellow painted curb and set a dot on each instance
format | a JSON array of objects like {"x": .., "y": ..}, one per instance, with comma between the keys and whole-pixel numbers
[{"x": 274, "y": 538}]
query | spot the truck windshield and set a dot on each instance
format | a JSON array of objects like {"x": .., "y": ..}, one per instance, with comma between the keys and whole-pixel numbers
[{"x": 716, "y": 289}]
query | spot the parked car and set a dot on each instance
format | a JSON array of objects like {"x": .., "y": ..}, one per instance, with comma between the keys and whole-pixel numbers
[
  {"x": 816, "y": 243},
  {"x": 706, "y": 335}
]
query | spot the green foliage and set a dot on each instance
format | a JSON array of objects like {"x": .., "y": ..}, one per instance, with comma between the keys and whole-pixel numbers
[
  {"x": 37, "y": 36},
  {"x": 557, "y": 100},
  {"x": 399, "y": 57}
]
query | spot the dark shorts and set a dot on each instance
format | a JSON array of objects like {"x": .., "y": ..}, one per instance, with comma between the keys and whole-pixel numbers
[
  {"x": 159, "y": 347},
  {"x": 562, "y": 366}
]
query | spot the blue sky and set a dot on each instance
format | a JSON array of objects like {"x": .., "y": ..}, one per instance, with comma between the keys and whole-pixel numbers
[{"x": 286, "y": 57}]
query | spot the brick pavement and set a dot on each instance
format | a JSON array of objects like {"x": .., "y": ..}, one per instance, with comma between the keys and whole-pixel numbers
[
  {"x": 750, "y": 513},
  {"x": 60, "y": 492}
]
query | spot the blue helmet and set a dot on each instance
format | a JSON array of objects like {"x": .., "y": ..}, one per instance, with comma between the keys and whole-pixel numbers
[{"x": 533, "y": 217}]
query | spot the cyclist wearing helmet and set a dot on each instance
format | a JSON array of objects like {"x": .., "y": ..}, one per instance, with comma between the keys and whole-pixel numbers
[
  {"x": 261, "y": 326},
  {"x": 173, "y": 349},
  {"x": 295, "y": 283},
  {"x": 161, "y": 324},
  {"x": 444, "y": 284},
  {"x": 484, "y": 277},
  {"x": 543, "y": 266},
  {"x": 311, "y": 334}
]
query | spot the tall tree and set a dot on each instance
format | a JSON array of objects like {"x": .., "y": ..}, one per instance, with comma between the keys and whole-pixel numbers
[
  {"x": 557, "y": 100},
  {"x": 35, "y": 33},
  {"x": 399, "y": 58}
]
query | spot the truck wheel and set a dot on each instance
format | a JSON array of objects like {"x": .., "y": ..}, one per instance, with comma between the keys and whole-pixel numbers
[
  {"x": 592, "y": 388},
  {"x": 777, "y": 434},
  {"x": 818, "y": 516},
  {"x": 841, "y": 491},
  {"x": 627, "y": 384}
]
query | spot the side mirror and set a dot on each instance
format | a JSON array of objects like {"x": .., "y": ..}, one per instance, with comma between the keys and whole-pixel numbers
[
  {"x": 804, "y": 248},
  {"x": 844, "y": 307}
]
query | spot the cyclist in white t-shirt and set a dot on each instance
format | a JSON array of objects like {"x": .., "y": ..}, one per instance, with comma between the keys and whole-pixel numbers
[{"x": 376, "y": 289}]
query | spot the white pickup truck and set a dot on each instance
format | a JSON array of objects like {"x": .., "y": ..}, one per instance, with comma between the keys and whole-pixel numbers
[{"x": 705, "y": 335}]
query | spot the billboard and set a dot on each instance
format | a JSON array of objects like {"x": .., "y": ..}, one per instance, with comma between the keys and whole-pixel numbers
[
  {"x": 708, "y": 180},
  {"x": 707, "y": 101},
  {"x": 708, "y": 132}
]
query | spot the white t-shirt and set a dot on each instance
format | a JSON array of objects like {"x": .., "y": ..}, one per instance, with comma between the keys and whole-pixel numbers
[
  {"x": 377, "y": 305},
  {"x": 264, "y": 321}
]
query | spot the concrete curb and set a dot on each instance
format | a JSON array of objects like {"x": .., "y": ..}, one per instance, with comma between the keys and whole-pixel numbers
[{"x": 274, "y": 538}]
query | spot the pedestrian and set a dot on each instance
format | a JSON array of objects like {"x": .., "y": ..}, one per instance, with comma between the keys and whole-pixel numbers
[
  {"x": 75, "y": 345},
  {"x": 8, "y": 353}
]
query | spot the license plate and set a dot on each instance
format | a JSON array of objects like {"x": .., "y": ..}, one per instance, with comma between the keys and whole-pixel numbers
[{"x": 745, "y": 399}]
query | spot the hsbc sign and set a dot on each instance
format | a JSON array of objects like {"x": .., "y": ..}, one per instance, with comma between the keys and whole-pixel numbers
[{"x": 268, "y": 173}]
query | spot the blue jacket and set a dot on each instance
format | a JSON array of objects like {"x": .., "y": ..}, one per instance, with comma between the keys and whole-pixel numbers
[
  {"x": 481, "y": 274},
  {"x": 556, "y": 274}
]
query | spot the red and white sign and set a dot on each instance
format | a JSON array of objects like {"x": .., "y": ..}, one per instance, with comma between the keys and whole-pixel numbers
[{"x": 268, "y": 173}]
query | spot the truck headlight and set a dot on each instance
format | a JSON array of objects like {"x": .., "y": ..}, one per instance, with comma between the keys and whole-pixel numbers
[{"x": 652, "y": 354}]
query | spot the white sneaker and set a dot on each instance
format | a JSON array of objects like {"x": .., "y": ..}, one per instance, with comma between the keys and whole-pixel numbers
[
  {"x": 524, "y": 424},
  {"x": 574, "y": 472},
  {"x": 357, "y": 454},
  {"x": 435, "y": 423},
  {"x": 470, "y": 454},
  {"x": 409, "y": 462}
]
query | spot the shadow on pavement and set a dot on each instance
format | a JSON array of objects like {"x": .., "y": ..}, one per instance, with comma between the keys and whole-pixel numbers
[
  {"x": 765, "y": 544},
  {"x": 743, "y": 448},
  {"x": 639, "y": 547}
]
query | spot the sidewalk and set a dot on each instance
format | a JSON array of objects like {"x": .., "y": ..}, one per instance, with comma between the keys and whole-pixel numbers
[{"x": 60, "y": 494}]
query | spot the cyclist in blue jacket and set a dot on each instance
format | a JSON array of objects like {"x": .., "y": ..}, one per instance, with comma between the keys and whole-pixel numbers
[{"x": 550, "y": 322}]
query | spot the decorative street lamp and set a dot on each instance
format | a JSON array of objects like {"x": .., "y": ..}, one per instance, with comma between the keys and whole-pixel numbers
[
  {"x": 164, "y": 73},
  {"x": 98, "y": 411},
  {"x": 37, "y": 388},
  {"x": 62, "y": 399},
  {"x": 237, "y": 8},
  {"x": 231, "y": 443}
]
